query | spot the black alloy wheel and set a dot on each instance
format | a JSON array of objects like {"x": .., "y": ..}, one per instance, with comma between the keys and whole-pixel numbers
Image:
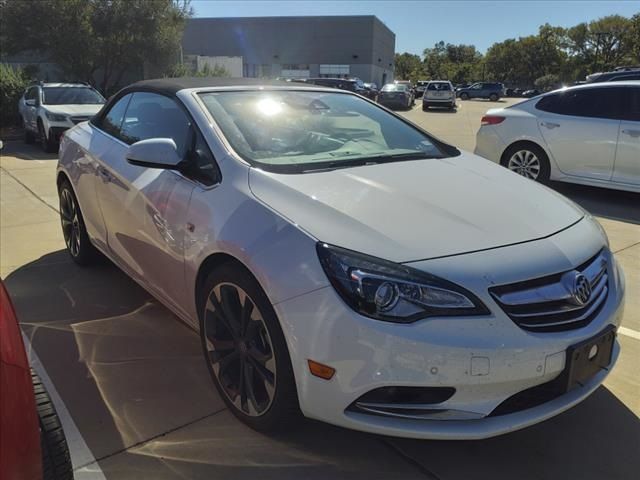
[{"x": 246, "y": 351}]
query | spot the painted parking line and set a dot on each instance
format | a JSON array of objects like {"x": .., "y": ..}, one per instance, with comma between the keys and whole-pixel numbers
[
  {"x": 85, "y": 466},
  {"x": 627, "y": 332}
]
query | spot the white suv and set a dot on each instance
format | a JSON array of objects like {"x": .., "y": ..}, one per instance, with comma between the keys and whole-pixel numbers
[{"x": 48, "y": 109}]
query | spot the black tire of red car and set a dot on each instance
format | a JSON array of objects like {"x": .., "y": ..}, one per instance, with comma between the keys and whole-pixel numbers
[
  {"x": 284, "y": 412},
  {"x": 56, "y": 461},
  {"x": 464, "y": 96},
  {"x": 87, "y": 254},
  {"x": 493, "y": 97},
  {"x": 49, "y": 145}
]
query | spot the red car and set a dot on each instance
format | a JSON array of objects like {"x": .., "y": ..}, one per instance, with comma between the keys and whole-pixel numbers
[{"x": 32, "y": 443}]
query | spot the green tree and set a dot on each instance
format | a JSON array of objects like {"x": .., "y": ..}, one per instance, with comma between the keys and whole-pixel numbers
[
  {"x": 458, "y": 63},
  {"x": 408, "y": 67},
  {"x": 13, "y": 82},
  {"x": 547, "y": 82},
  {"x": 97, "y": 40},
  {"x": 604, "y": 44}
]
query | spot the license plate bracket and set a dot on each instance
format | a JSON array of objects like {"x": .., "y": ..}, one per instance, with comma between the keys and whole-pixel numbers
[{"x": 587, "y": 358}]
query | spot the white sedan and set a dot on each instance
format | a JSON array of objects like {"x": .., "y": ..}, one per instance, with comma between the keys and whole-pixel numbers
[
  {"x": 588, "y": 134},
  {"x": 339, "y": 262}
]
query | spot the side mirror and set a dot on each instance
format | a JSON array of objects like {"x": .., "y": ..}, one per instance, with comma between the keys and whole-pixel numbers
[
  {"x": 30, "y": 103},
  {"x": 155, "y": 153}
]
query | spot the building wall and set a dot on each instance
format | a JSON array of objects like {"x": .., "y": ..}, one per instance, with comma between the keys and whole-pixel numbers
[{"x": 359, "y": 46}]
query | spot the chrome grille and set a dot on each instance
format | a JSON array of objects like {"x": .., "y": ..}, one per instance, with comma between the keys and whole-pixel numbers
[
  {"x": 557, "y": 302},
  {"x": 78, "y": 119}
]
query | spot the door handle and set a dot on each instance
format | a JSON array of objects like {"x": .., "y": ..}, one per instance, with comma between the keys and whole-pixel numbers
[
  {"x": 550, "y": 125},
  {"x": 632, "y": 133}
]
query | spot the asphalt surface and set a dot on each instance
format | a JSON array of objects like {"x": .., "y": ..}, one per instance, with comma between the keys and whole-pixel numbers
[{"x": 137, "y": 402}]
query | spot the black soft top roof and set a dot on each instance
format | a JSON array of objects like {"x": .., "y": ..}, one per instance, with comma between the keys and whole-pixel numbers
[{"x": 170, "y": 86}]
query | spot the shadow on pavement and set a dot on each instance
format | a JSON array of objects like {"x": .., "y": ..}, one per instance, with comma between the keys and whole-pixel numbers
[
  {"x": 603, "y": 202},
  {"x": 598, "y": 439},
  {"x": 126, "y": 368},
  {"x": 22, "y": 151},
  {"x": 441, "y": 110},
  {"x": 132, "y": 376}
]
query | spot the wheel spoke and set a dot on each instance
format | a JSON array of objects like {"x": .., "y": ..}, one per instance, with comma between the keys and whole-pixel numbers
[
  {"x": 220, "y": 356},
  {"x": 225, "y": 361},
  {"x": 247, "y": 310},
  {"x": 263, "y": 372},
  {"x": 214, "y": 309},
  {"x": 259, "y": 356},
  {"x": 249, "y": 386},
  {"x": 231, "y": 307}
]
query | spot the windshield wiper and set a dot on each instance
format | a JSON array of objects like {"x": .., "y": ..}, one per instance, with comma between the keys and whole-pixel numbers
[{"x": 362, "y": 161}]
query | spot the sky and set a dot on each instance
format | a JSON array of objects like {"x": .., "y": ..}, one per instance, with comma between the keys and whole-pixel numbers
[{"x": 420, "y": 24}]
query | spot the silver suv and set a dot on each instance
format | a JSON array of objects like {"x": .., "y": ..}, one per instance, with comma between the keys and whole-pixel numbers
[{"x": 439, "y": 93}]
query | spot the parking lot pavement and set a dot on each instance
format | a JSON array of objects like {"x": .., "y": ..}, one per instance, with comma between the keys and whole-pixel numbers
[
  {"x": 458, "y": 127},
  {"x": 141, "y": 404}
]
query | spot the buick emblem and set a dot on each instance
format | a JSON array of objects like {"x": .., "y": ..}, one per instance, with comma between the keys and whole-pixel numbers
[{"x": 581, "y": 289}]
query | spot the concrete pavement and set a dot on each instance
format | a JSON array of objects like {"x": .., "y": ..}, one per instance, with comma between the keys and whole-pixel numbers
[{"x": 132, "y": 377}]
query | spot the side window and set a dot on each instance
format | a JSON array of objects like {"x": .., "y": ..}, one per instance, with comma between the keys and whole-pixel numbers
[
  {"x": 202, "y": 166},
  {"x": 112, "y": 121},
  {"x": 588, "y": 102},
  {"x": 32, "y": 94},
  {"x": 549, "y": 103},
  {"x": 632, "y": 105},
  {"x": 150, "y": 115}
]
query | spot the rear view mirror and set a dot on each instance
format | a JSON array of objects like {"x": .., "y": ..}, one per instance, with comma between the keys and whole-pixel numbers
[{"x": 155, "y": 153}]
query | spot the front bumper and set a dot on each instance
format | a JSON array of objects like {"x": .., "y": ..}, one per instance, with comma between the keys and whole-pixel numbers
[{"x": 486, "y": 359}]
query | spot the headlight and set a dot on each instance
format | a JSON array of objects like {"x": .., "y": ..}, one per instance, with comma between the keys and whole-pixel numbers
[
  {"x": 393, "y": 292},
  {"x": 55, "y": 117}
]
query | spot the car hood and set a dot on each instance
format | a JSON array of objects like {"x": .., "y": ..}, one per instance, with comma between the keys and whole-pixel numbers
[
  {"x": 80, "y": 110},
  {"x": 414, "y": 210}
]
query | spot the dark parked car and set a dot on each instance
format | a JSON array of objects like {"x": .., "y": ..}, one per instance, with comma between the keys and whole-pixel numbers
[
  {"x": 32, "y": 443},
  {"x": 492, "y": 91},
  {"x": 619, "y": 74},
  {"x": 531, "y": 93},
  {"x": 371, "y": 91},
  {"x": 396, "y": 95},
  {"x": 352, "y": 85},
  {"x": 420, "y": 87}
]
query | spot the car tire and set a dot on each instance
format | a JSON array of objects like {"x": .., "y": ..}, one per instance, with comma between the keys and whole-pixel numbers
[
  {"x": 29, "y": 137},
  {"x": 493, "y": 97},
  {"x": 74, "y": 231},
  {"x": 524, "y": 149},
  {"x": 48, "y": 145},
  {"x": 464, "y": 96},
  {"x": 270, "y": 400},
  {"x": 56, "y": 461}
]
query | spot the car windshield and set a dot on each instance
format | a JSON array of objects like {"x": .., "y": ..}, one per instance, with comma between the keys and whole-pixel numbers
[
  {"x": 292, "y": 131},
  {"x": 438, "y": 86},
  {"x": 391, "y": 87},
  {"x": 71, "y": 96}
]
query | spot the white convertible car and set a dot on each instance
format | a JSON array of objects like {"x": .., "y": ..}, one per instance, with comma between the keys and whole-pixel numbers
[{"x": 340, "y": 262}]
